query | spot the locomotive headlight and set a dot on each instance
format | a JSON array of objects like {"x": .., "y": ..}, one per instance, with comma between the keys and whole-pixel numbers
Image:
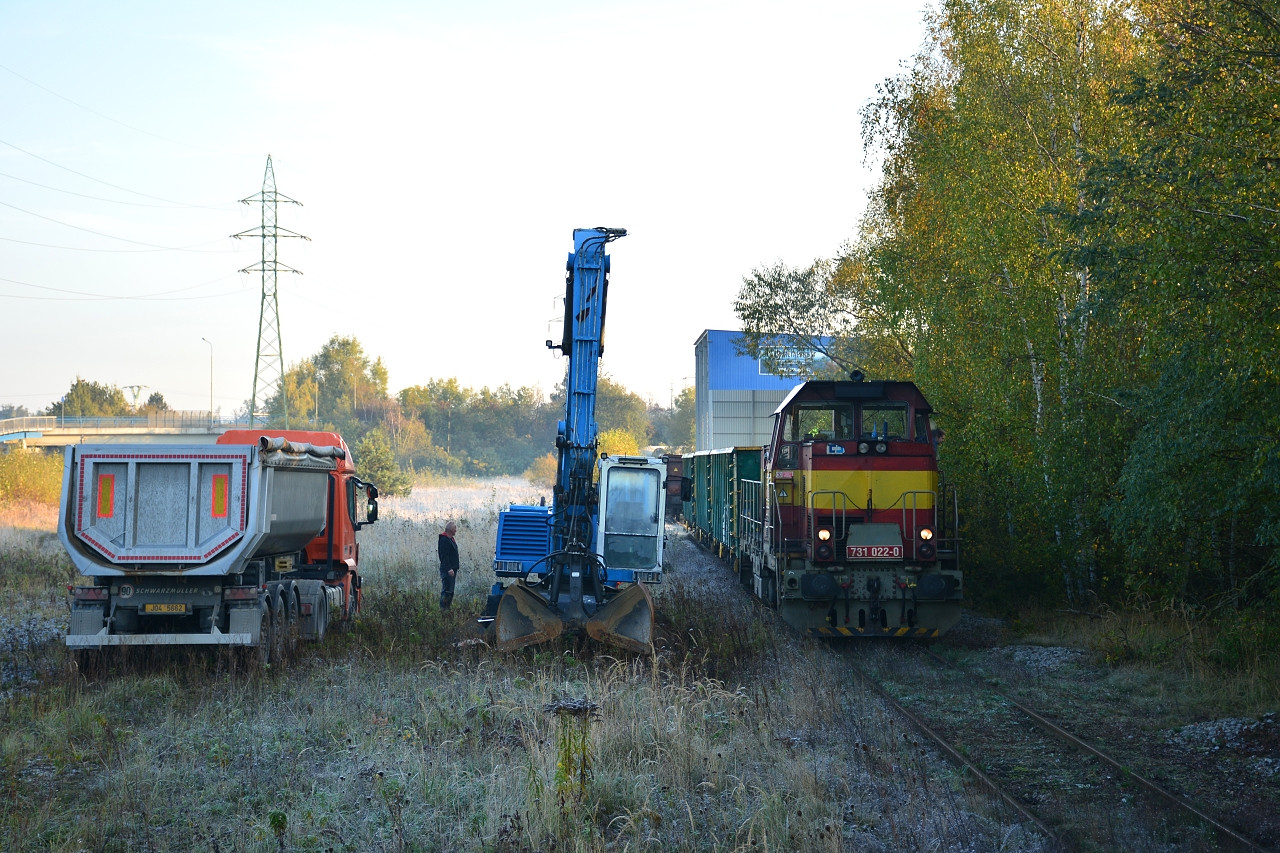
[
  {"x": 881, "y": 447},
  {"x": 863, "y": 447},
  {"x": 926, "y": 534},
  {"x": 824, "y": 534}
]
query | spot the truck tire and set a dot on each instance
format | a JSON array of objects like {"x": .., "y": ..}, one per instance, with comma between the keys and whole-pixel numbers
[
  {"x": 321, "y": 617},
  {"x": 278, "y": 630},
  {"x": 266, "y": 638},
  {"x": 292, "y": 624}
]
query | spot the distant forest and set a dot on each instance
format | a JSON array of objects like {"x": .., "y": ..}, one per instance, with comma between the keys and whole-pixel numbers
[{"x": 441, "y": 428}]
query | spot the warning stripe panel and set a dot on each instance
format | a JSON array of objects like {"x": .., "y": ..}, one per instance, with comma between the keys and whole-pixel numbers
[{"x": 83, "y": 529}]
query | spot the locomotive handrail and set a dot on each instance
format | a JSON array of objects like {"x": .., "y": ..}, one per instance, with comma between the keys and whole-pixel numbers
[{"x": 845, "y": 500}]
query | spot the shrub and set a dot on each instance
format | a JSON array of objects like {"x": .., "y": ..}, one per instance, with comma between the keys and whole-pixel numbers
[{"x": 30, "y": 476}]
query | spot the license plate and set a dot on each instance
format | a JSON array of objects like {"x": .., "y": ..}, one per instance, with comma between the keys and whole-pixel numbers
[
  {"x": 164, "y": 608},
  {"x": 874, "y": 552}
]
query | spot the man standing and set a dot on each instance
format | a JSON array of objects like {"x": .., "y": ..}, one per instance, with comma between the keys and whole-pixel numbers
[{"x": 448, "y": 550}]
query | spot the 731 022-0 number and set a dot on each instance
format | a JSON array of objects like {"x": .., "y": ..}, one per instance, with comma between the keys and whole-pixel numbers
[{"x": 874, "y": 552}]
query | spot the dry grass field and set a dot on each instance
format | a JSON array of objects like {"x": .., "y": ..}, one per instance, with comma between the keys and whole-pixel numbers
[{"x": 405, "y": 733}]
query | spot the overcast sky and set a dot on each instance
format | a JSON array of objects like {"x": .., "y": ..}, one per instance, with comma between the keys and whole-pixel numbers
[{"x": 443, "y": 152}]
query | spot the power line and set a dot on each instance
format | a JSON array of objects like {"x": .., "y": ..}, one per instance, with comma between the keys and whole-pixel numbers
[
  {"x": 95, "y": 197},
  {"x": 107, "y": 183},
  {"x": 116, "y": 251},
  {"x": 98, "y": 114},
  {"x": 86, "y": 296},
  {"x": 191, "y": 248}
]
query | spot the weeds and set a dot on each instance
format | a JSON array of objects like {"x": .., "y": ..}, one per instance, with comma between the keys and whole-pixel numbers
[{"x": 405, "y": 734}]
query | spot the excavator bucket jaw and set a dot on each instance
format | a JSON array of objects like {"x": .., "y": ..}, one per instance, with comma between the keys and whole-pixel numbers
[
  {"x": 525, "y": 619},
  {"x": 626, "y": 621}
]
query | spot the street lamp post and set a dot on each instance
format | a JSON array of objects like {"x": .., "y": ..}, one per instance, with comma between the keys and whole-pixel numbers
[{"x": 210, "y": 343}]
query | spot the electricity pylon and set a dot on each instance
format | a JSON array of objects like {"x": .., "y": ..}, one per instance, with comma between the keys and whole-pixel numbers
[{"x": 268, "y": 371}]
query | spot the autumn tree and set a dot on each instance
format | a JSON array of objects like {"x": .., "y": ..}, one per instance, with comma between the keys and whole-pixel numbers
[
  {"x": 339, "y": 387},
  {"x": 1182, "y": 229},
  {"x": 87, "y": 399},
  {"x": 982, "y": 141}
]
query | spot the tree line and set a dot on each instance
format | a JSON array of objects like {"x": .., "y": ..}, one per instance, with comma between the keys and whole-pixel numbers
[
  {"x": 441, "y": 428},
  {"x": 1074, "y": 249}
]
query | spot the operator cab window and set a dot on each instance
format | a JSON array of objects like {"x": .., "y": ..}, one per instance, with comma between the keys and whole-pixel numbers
[
  {"x": 884, "y": 420},
  {"x": 924, "y": 435},
  {"x": 631, "y": 522},
  {"x": 820, "y": 422}
]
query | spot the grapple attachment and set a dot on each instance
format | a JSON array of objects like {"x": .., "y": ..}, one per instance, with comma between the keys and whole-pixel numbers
[
  {"x": 626, "y": 621},
  {"x": 525, "y": 619}
]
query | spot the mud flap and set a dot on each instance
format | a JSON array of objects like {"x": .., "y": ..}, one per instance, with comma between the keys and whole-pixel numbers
[
  {"x": 626, "y": 621},
  {"x": 524, "y": 619}
]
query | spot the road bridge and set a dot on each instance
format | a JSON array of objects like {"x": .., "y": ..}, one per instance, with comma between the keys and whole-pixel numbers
[{"x": 159, "y": 428}]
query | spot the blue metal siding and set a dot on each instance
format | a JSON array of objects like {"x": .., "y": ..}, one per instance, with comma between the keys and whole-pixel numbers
[{"x": 726, "y": 370}]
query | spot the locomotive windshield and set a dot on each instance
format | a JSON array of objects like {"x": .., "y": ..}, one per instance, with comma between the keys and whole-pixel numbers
[
  {"x": 818, "y": 422},
  {"x": 884, "y": 420}
]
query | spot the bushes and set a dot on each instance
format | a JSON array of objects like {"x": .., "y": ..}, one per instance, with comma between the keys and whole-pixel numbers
[{"x": 30, "y": 476}]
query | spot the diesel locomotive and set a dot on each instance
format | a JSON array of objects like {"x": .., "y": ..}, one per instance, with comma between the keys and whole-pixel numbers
[{"x": 842, "y": 522}]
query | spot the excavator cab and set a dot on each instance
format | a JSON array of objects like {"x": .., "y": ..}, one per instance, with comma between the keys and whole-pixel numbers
[{"x": 601, "y": 589}]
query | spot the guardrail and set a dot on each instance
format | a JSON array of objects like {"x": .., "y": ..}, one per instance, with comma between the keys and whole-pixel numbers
[{"x": 155, "y": 420}]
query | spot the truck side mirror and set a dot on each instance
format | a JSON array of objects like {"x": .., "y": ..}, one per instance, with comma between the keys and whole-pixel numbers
[{"x": 372, "y": 515}]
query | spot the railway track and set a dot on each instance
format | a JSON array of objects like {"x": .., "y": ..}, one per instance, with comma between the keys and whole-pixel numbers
[{"x": 1072, "y": 790}]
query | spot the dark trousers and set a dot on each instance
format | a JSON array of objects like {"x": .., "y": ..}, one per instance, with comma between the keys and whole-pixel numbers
[{"x": 446, "y": 589}]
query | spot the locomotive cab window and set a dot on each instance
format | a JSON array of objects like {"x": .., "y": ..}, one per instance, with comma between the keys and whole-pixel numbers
[
  {"x": 923, "y": 433},
  {"x": 788, "y": 457},
  {"x": 822, "y": 422},
  {"x": 884, "y": 420}
]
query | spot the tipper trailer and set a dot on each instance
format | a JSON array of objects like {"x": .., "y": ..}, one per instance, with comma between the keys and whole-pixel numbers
[{"x": 248, "y": 542}]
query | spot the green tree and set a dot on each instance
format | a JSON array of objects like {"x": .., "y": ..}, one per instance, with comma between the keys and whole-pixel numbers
[
  {"x": 87, "y": 399},
  {"x": 615, "y": 408},
  {"x": 829, "y": 307},
  {"x": 674, "y": 427},
  {"x": 377, "y": 464},
  {"x": 338, "y": 387},
  {"x": 480, "y": 432},
  {"x": 1181, "y": 227},
  {"x": 986, "y": 137},
  {"x": 618, "y": 442}
]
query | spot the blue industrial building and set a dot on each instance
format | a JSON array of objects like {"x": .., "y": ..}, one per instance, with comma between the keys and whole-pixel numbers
[{"x": 736, "y": 394}]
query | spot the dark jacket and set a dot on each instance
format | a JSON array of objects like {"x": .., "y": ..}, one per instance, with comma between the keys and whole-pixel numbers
[{"x": 448, "y": 550}]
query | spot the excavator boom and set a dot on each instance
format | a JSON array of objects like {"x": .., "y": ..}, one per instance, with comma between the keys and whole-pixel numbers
[{"x": 582, "y": 564}]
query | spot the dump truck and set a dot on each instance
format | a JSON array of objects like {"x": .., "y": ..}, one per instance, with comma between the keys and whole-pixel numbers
[{"x": 249, "y": 542}]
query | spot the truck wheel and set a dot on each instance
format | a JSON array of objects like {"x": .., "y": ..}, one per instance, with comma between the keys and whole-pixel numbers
[
  {"x": 266, "y": 638},
  {"x": 292, "y": 624},
  {"x": 278, "y": 630},
  {"x": 321, "y": 617}
]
